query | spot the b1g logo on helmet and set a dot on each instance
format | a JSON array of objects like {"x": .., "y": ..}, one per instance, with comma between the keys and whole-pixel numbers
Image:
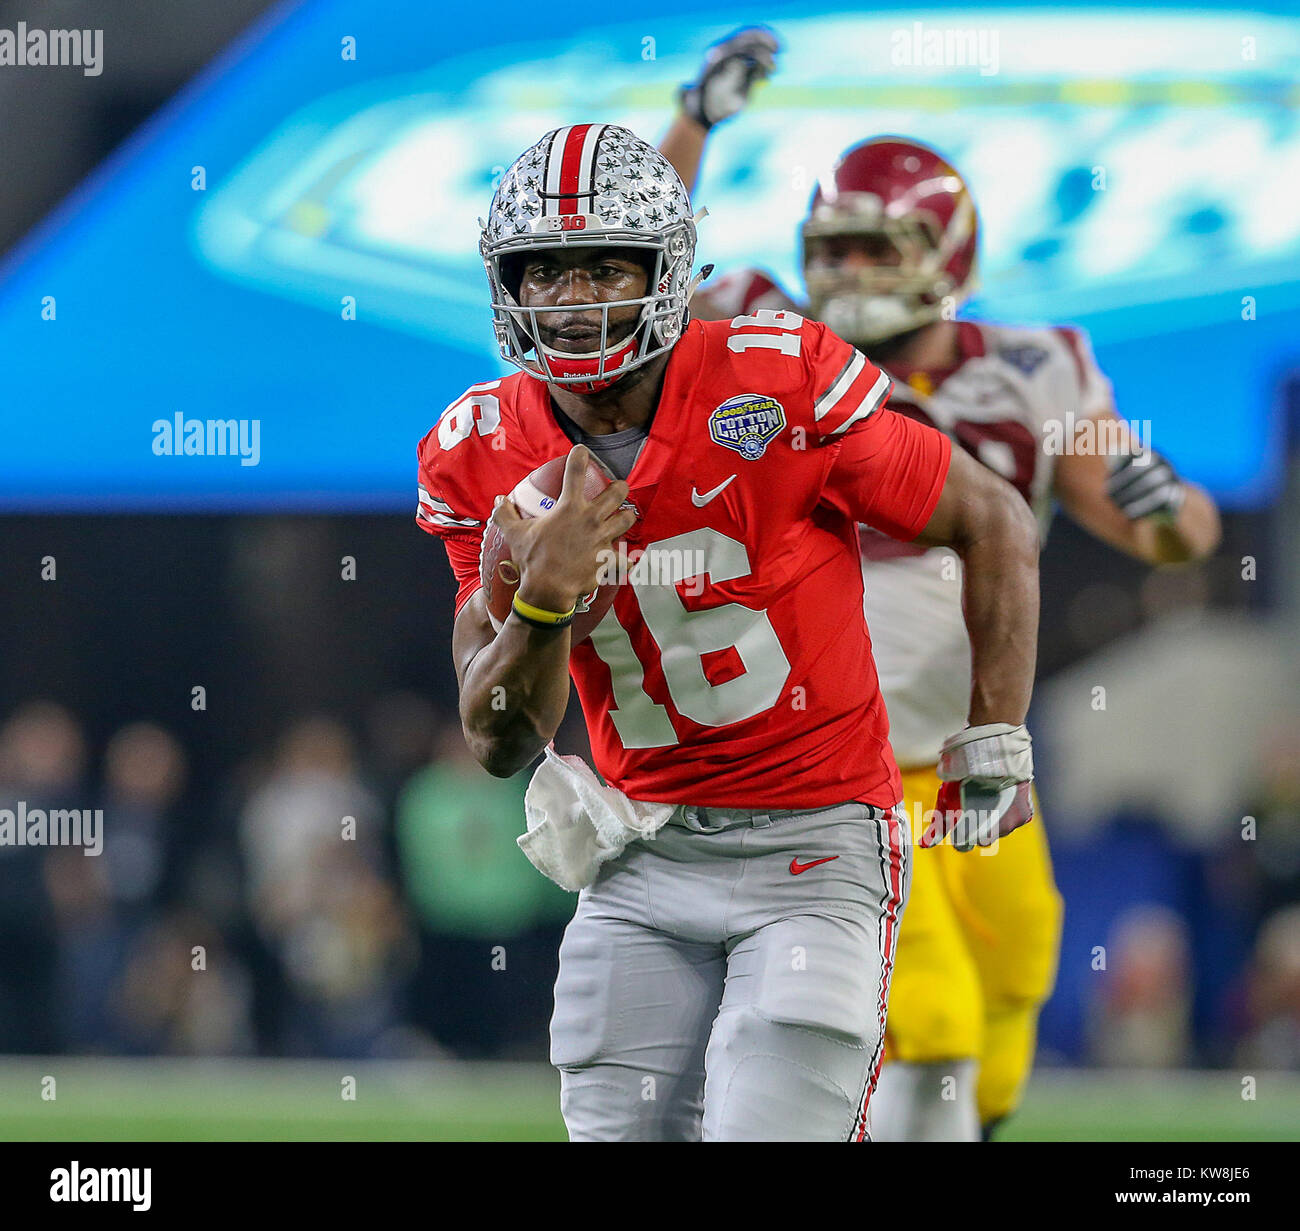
[
  {"x": 747, "y": 424},
  {"x": 563, "y": 222}
]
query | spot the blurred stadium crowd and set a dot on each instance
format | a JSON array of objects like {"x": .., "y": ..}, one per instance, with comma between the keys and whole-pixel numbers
[
  {"x": 359, "y": 894},
  {"x": 340, "y": 900}
]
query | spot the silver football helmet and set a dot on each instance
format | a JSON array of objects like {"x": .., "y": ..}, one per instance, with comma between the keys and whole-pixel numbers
[{"x": 590, "y": 185}]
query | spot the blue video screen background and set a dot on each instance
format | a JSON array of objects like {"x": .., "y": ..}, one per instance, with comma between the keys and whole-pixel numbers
[{"x": 1137, "y": 173}]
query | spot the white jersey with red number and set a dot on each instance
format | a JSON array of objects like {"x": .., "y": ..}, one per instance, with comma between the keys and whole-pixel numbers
[
  {"x": 1009, "y": 403},
  {"x": 734, "y": 668}
]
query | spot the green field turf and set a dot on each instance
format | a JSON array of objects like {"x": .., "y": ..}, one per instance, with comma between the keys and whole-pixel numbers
[{"x": 269, "y": 1100}]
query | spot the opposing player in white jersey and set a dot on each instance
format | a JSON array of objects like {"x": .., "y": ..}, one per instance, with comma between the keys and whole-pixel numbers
[{"x": 889, "y": 251}]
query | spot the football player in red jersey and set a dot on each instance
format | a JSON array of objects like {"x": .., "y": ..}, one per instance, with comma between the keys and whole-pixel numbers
[
  {"x": 728, "y": 975},
  {"x": 889, "y": 251}
]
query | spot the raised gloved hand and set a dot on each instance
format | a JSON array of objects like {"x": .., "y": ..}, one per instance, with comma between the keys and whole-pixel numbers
[
  {"x": 987, "y": 775},
  {"x": 730, "y": 71},
  {"x": 1144, "y": 484}
]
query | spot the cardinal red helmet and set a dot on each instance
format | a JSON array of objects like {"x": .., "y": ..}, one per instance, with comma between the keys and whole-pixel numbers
[{"x": 914, "y": 224}]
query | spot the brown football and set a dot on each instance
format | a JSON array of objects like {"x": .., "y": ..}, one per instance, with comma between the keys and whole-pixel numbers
[{"x": 535, "y": 496}]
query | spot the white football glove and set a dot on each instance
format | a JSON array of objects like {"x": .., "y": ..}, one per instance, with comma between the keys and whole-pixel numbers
[
  {"x": 1144, "y": 484},
  {"x": 731, "y": 69},
  {"x": 987, "y": 776}
]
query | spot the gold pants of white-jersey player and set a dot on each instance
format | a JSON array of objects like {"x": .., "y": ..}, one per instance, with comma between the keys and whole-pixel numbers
[{"x": 977, "y": 954}]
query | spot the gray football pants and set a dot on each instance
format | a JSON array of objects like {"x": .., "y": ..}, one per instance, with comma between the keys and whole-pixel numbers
[{"x": 719, "y": 983}]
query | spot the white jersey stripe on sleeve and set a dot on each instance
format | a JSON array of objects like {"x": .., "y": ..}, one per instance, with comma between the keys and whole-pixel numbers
[
  {"x": 828, "y": 400},
  {"x": 869, "y": 405},
  {"x": 439, "y": 513},
  {"x": 441, "y": 519},
  {"x": 431, "y": 502}
]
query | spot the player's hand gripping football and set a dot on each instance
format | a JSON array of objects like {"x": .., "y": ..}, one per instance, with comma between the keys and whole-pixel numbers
[
  {"x": 987, "y": 775},
  {"x": 559, "y": 556},
  {"x": 731, "y": 69}
]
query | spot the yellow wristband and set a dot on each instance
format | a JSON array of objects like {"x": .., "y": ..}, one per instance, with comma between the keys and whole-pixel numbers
[{"x": 539, "y": 615}]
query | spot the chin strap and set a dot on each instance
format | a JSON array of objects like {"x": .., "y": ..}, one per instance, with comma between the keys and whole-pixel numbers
[
  {"x": 706, "y": 272},
  {"x": 561, "y": 369}
]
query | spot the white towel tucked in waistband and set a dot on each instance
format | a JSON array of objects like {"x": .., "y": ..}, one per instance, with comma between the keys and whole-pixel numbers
[{"x": 576, "y": 823}]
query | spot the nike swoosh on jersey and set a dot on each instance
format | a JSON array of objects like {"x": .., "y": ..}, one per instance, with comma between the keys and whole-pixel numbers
[
  {"x": 700, "y": 501},
  {"x": 796, "y": 867}
]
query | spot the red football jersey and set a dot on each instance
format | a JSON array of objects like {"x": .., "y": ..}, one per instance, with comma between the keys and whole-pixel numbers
[{"x": 734, "y": 668}]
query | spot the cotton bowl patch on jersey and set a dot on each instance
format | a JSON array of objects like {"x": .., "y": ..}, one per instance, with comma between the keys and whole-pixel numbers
[{"x": 747, "y": 424}]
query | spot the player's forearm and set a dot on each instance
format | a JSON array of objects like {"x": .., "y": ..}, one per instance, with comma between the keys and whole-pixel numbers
[
  {"x": 985, "y": 520},
  {"x": 514, "y": 695},
  {"x": 683, "y": 146},
  {"x": 1192, "y": 535},
  {"x": 1000, "y": 600}
]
